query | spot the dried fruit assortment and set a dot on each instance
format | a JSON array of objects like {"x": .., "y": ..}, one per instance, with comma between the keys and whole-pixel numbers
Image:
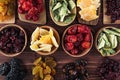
[
  {"x": 108, "y": 41},
  {"x": 13, "y": 70},
  {"x": 109, "y": 69},
  {"x": 77, "y": 39},
  {"x": 7, "y": 9},
  {"x": 43, "y": 40},
  {"x": 31, "y": 8},
  {"x": 113, "y": 10},
  {"x": 88, "y": 9},
  {"x": 12, "y": 40},
  {"x": 44, "y": 68},
  {"x": 76, "y": 70}
]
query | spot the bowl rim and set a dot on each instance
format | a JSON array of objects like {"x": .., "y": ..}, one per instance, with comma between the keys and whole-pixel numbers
[
  {"x": 56, "y": 48},
  {"x": 96, "y": 38},
  {"x": 25, "y": 44},
  {"x": 62, "y": 23},
  {"x": 85, "y": 51}
]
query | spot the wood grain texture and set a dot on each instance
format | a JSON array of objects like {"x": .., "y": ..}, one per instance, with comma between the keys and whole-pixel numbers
[{"x": 93, "y": 57}]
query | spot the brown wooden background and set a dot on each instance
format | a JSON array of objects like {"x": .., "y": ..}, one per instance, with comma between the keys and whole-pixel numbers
[{"x": 93, "y": 57}]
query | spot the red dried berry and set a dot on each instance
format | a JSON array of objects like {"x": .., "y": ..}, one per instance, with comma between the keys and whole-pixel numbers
[
  {"x": 79, "y": 37},
  {"x": 71, "y": 38},
  {"x": 74, "y": 51},
  {"x": 86, "y": 45},
  {"x": 81, "y": 29},
  {"x": 21, "y": 1},
  {"x": 20, "y": 10},
  {"x": 27, "y": 5},
  {"x": 72, "y": 30},
  {"x": 69, "y": 46},
  {"x": 87, "y": 37},
  {"x": 33, "y": 11}
]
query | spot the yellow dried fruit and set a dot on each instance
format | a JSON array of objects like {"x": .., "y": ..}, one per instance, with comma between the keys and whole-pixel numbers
[
  {"x": 42, "y": 71},
  {"x": 47, "y": 77},
  {"x": 35, "y": 35},
  {"x": 37, "y": 61},
  {"x": 43, "y": 32},
  {"x": 53, "y": 71},
  {"x": 48, "y": 58},
  {"x": 88, "y": 13},
  {"x": 51, "y": 63},
  {"x": 36, "y": 70}
]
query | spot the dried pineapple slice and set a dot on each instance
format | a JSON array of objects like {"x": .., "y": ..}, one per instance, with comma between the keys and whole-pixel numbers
[
  {"x": 35, "y": 35},
  {"x": 88, "y": 13},
  {"x": 43, "y": 32},
  {"x": 84, "y": 3}
]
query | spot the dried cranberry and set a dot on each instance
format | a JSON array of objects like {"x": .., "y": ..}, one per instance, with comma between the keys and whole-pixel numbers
[
  {"x": 87, "y": 37},
  {"x": 27, "y": 5},
  {"x": 71, "y": 38},
  {"x": 69, "y": 46},
  {"x": 35, "y": 18},
  {"x": 74, "y": 51},
  {"x": 72, "y": 30},
  {"x": 79, "y": 37}
]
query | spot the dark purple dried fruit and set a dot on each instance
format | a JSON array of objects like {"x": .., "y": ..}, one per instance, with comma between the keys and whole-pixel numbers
[
  {"x": 12, "y": 40},
  {"x": 109, "y": 69},
  {"x": 76, "y": 70},
  {"x": 113, "y": 9}
]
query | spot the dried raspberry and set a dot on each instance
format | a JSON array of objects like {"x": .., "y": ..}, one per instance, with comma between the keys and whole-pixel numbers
[
  {"x": 74, "y": 51},
  {"x": 86, "y": 45},
  {"x": 87, "y": 37}
]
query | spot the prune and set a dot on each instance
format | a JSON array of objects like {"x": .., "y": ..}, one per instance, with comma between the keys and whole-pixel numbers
[
  {"x": 9, "y": 38},
  {"x": 4, "y": 68},
  {"x": 109, "y": 69},
  {"x": 72, "y": 72}
]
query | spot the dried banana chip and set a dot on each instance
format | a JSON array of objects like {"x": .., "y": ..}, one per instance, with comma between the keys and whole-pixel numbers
[{"x": 48, "y": 77}]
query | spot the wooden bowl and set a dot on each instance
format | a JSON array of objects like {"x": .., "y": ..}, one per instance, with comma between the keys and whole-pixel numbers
[
  {"x": 57, "y": 38},
  {"x": 14, "y": 54},
  {"x": 61, "y": 23},
  {"x": 118, "y": 48},
  {"x": 83, "y": 52}
]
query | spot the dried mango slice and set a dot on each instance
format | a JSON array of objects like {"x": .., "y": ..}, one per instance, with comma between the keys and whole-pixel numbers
[
  {"x": 45, "y": 39},
  {"x": 88, "y": 13},
  {"x": 37, "y": 61},
  {"x": 43, "y": 32},
  {"x": 35, "y": 35}
]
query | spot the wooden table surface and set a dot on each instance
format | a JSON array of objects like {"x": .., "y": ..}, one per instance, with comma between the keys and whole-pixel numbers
[{"x": 93, "y": 57}]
